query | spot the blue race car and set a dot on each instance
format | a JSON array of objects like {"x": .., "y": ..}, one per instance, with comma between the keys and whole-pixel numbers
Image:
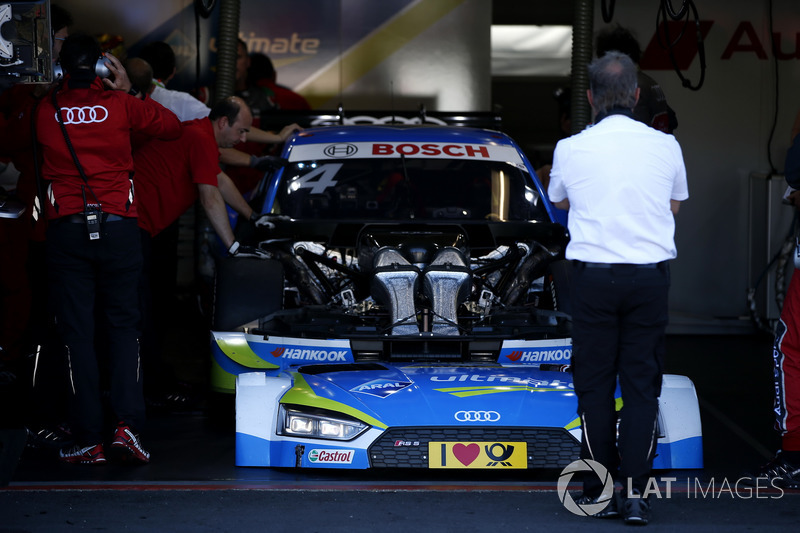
[{"x": 408, "y": 307}]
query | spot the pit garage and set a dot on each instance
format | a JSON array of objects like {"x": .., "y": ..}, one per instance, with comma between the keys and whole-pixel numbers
[{"x": 729, "y": 75}]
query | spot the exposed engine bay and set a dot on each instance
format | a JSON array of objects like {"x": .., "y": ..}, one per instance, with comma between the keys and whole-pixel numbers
[{"x": 424, "y": 281}]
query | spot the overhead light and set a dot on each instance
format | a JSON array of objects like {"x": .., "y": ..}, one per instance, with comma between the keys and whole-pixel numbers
[{"x": 531, "y": 50}]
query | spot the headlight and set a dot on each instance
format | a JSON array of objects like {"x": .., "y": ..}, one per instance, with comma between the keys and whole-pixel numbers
[{"x": 296, "y": 423}]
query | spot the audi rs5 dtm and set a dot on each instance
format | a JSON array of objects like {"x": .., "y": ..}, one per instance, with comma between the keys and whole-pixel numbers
[{"x": 409, "y": 308}]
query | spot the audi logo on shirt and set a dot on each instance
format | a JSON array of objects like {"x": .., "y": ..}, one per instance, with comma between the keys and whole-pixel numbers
[
  {"x": 477, "y": 416},
  {"x": 83, "y": 115}
]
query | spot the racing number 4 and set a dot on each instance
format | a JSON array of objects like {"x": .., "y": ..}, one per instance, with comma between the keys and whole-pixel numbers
[{"x": 318, "y": 179}]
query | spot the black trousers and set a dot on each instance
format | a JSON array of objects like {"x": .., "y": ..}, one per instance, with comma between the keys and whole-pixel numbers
[
  {"x": 103, "y": 273},
  {"x": 619, "y": 320},
  {"x": 157, "y": 293}
]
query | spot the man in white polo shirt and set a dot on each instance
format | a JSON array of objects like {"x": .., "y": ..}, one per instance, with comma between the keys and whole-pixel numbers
[{"x": 622, "y": 182}]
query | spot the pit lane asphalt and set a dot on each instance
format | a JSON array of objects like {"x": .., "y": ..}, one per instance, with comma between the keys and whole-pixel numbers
[{"x": 193, "y": 485}]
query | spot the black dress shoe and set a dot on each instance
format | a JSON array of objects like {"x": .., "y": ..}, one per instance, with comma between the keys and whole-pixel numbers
[
  {"x": 609, "y": 511},
  {"x": 635, "y": 509}
]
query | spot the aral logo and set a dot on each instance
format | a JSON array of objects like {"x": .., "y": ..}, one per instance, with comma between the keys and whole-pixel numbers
[
  {"x": 381, "y": 387},
  {"x": 338, "y": 457}
]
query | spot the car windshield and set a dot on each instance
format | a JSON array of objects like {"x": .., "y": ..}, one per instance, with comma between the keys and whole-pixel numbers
[{"x": 408, "y": 188}]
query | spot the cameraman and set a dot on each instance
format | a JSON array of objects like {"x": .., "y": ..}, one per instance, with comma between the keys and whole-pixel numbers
[{"x": 94, "y": 251}]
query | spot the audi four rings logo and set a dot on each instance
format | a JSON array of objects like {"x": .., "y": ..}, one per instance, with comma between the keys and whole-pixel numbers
[
  {"x": 477, "y": 416},
  {"x": 83, "y": 115}
]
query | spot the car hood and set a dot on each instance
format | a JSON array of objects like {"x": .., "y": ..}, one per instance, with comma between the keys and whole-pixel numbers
[{"x": 438, "y": 395}]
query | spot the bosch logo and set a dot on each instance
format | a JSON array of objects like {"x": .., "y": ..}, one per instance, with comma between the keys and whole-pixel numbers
[
  {"x": 429, "y": 149},
  {"x": 83, "y": 115},
  {"x": 477, "y": 416},
  {"x": 340, "y": 150}
]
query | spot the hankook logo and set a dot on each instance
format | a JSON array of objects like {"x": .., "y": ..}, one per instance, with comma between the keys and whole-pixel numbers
[
  {"x": 83, "y": 115},
  {"x": 477, "y": 416},
  {"x": 340, "y": 150}
]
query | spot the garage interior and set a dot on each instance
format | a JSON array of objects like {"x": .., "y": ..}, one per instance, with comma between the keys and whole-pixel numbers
[{"x": 729, "y": 231}]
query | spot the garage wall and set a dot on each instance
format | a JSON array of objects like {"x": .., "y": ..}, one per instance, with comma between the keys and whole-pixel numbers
[
  {"x": 362, "y": 53},
  {"x": 724, "y": 129}
]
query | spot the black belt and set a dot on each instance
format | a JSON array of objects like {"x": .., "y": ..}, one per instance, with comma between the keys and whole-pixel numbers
[
  {"x": 78, "y": 218},
  {"x": 612, "y": 265}
]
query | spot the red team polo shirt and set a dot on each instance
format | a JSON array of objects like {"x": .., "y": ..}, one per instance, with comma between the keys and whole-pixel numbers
[
  {"x": 99, "y": 123},
  {"x": 167, "y": 173}
]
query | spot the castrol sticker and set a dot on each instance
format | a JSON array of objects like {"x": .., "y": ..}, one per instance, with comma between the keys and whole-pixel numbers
[{"x": 331, "y": 457}]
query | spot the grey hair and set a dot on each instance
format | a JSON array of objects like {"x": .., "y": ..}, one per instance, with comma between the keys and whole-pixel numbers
[{"x": 612, "y": 80}]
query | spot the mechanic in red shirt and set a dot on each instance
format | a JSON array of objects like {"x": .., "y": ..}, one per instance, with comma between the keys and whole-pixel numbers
[
  {"x": 783, "y": 470},
  {"x": 261, "y": 72},
  {"x": 260, "y": 101},
  {"x": 170, "y": 176},
  {"x": 94, "y": 248}
]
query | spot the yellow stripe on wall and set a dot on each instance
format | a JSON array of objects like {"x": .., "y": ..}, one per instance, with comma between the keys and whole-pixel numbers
[{"x": 376, "y": 47}]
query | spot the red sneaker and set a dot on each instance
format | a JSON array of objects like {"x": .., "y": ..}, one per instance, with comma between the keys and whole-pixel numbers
[
  {"x": 127, "y": 447},
  {"x": 84, "y": 455}
]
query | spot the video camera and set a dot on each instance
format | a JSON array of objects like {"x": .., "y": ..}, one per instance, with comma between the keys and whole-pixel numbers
[{"x": 25, "y": 42}]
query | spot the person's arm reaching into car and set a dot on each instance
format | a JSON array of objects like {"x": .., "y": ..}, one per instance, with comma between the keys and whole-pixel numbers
[
  {"x": 268, "y": 137},
  {"x": 214, "y": 206},
  {"x": 237, "y": 158},
  {"x": 232, "y": 196}
]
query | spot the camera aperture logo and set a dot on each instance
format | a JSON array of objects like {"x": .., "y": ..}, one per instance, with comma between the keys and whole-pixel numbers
[
  {"x": 744, "y": 488},
  {"x": 586, "y": 509}
]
